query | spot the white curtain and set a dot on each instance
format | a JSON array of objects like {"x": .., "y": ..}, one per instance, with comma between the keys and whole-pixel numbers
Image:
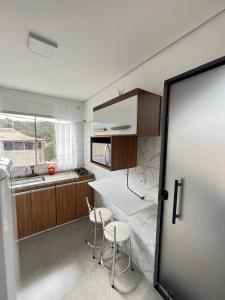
[{"x": 66, "y": 145}]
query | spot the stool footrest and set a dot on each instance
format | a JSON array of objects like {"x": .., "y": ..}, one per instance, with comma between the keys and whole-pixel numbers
[
  {"x": 110, "y": 271},
  {"x": 88, "y": 241}
]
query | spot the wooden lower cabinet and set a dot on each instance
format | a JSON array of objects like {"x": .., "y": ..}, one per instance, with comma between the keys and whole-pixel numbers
[
  {"x": 36, "y": 211},
  {"x": 70, "y": 201},
  {"x": 66, "y": 196},
  {"x": 43, "y": 209},
  {"x": 83, "y": 191},
  {"x": 24, "y": 214}
]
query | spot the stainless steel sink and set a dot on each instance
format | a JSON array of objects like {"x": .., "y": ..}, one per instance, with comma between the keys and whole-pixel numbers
[{"x": 27, "y": 181}]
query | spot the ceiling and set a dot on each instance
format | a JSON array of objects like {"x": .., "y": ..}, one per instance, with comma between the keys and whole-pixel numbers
[{"x": 98, "y": 40}]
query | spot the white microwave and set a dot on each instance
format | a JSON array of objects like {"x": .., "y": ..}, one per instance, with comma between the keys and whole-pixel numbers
[{"x": 101, "y": 153}]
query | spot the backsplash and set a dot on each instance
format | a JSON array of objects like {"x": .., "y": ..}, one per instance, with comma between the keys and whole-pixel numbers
[
  {"x": 23, "y": 171},
  {"x": 144, "y": 180}
]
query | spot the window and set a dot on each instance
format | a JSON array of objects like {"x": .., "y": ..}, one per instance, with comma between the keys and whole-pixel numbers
[
  {"x": 45, "y": 136},
  {"x": 19, "y": 145},
  {"x": 8, "y": 146},
  {"x": 27, "y": 140},
  {"x": 29, "y": 145}
]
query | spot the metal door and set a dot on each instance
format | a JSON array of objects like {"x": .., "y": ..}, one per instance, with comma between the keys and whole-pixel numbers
[{"x": 190, "y": 255}]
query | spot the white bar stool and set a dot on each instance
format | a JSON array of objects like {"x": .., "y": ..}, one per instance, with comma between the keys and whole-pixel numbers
[
  {"x": 116, "y": 233},
  {"x": 94, "y": 218}
]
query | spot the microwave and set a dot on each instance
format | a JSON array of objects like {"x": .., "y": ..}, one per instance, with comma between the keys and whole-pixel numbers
[{"x": 101, "y": 153}]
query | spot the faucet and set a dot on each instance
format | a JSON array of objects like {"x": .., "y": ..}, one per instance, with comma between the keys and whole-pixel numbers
[
  {"x": 25, "y": 171},
  {"x": 32, "y": 174}
]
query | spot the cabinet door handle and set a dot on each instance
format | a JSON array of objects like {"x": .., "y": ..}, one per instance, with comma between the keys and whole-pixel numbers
[
  {"x": 43, "y": 189},
  {"x": 65, "y": 184},
  {"x": 122, "y": 127},
  {"x": 100, "y": 129},
  {"x": 21, "y": 193},
  {"x": 84, "y": 181},
  {"x": 175, "y": 215}
]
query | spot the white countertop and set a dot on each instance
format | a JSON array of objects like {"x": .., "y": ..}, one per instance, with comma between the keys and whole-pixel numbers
[
  {"x": 57, "y": 178},
  {"x": 119, "y": 195},
  {"x": 61, "y": 176}
]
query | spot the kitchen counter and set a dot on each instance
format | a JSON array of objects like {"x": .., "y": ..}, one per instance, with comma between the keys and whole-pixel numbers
[
  {"x": 43, "y": 205},
  {"x": 56, "y": 179}
]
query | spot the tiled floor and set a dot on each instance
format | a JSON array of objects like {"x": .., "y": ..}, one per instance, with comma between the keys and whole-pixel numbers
[{"x": 58, "y": 264}]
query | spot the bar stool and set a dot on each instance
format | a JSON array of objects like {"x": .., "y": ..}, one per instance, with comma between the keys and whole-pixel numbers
[
  {"x": 94, "y": 218},
  {"x": 116, "y": 233}
]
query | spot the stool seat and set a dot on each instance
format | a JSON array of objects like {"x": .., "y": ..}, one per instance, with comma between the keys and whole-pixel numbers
[
  {"x": 105, "y": 213},
  {"x": 122, "y": 231}
]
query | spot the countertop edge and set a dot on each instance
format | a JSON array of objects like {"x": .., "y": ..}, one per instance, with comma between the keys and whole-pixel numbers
[{"x": 53, "y": 183}]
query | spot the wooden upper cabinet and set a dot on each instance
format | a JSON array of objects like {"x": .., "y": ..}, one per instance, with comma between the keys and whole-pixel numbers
[
  {"x": 149, "y": 114},
  {"x": 122, "y": 151},
  {"x": 66, "y": 198},
  {"x": 136, "y": 112},
  {"x": 43, "y": 209},
  {"x": 24, "y": 214}
]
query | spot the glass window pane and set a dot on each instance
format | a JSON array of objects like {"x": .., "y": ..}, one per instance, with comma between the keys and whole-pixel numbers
[
  {"x": 29, "y": 145},
  {"x": 45, "y": 133},
  {"x": 19, "y": 146},
  {"x": 8, "y": 146},
  {"x": 17, "y": 131}
]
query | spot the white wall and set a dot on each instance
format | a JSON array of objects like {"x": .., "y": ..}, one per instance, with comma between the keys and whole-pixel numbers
[
  {"x": 25, "y": 102},
  {"x": 203, "y": 45}
]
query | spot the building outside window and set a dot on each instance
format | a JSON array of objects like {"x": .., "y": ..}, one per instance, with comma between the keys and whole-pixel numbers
[{"x": 27, "y": 140}]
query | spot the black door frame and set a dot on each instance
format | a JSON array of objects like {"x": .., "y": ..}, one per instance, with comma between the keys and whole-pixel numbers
[{"x": 162, "y": 196}]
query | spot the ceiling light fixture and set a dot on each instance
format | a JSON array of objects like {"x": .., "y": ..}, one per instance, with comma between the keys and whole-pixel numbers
[{"x": 41, "y": 46}]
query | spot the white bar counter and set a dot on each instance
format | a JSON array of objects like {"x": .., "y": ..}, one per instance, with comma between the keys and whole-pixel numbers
[{"x": 120, "y": 196}]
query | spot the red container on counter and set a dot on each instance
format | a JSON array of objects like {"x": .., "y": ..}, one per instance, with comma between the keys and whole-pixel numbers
[{"x": 51, "y": 170}]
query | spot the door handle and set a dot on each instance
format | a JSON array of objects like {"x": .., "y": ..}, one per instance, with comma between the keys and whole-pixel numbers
[
  {"x": 105, "y": 155},
  {"x": 175, "y": 215},
  {"x": 106, "y": 149},
  {"x": 164, "y": 195}
]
